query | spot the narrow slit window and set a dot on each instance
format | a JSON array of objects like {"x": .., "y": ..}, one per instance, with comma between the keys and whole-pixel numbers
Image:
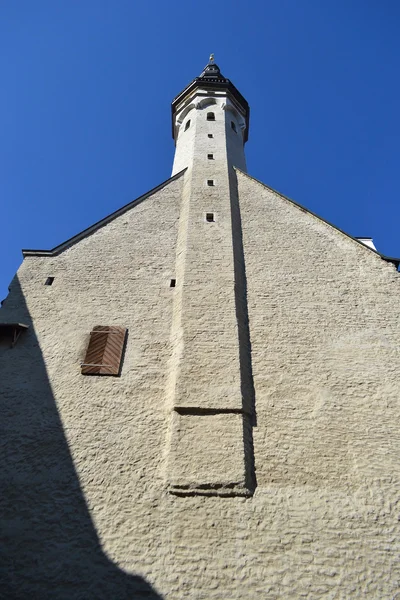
[
  {"x": 187, "y": 125},
  {"x": 210, "y": 217},
  {"x": 104, "y": 351},
  {"x": 210, "y": 135},
  {"x": 210, "y": 156},
  {"x": 233, "y": 125},
  {"x": 210, "y": 182},
  {"x": 210, "y": 116},
  {"x": 172, "y": 283},
  {"x": 49, "y": 281}
]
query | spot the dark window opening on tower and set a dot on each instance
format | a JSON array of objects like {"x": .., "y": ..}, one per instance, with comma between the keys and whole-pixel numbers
[
  {"x": 210, "y": 182},
  {"x": 210, "y": 156},
  {"x": 210, "y": 217},
  {"x": 210, "y": 135},
  {"x": 172, "y": 283},
  {"x": 49, "y": 281},
  {"x": 233, "y": 125},
  {"x": 210, "y": 116},
  {"x": 187, "y": 125}
]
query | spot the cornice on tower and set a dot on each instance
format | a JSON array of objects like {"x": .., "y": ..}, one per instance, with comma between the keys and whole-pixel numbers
[{"x": 211, "y": 80}]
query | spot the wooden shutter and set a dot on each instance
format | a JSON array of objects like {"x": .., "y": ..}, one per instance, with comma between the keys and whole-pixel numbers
[{"x": 104, "y": 352}]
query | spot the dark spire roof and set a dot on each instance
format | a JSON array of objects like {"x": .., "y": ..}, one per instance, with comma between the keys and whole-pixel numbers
[{"x": 212, "y": 72}]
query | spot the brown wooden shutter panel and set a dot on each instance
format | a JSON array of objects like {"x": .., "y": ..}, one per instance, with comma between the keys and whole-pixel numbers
[{"x": 104, "y": 352}]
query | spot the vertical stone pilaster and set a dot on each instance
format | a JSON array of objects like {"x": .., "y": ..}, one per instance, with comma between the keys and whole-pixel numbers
[{"x": 210, "y": 387}]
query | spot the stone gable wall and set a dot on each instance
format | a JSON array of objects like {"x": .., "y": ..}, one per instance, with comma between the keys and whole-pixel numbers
[{"x": 324, "y": 330}]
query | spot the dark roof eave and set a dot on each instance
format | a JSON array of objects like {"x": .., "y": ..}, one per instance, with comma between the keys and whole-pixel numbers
[
  {"x": 19, "y": 326},
  {"x": 392, "y": 259}
]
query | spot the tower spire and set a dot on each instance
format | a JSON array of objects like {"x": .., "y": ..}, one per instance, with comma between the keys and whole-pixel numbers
[{"x": 212, "y": 71}]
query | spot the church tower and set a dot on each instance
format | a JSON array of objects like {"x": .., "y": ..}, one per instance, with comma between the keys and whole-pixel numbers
[
  {"x": 210, "y": 118},
  {"x": 200, "y": 393},
  {"x": 210, "y": 380}
]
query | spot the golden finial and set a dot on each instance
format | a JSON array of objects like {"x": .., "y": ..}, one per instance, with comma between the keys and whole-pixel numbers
[{"x": 211, "y": 57}]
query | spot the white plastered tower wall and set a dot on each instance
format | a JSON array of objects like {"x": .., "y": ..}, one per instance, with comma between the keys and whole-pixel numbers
[
  {"x": 112, "y": 487},
  {"x": 210, "y": 129},
  {"x": 192, "y": 128}
]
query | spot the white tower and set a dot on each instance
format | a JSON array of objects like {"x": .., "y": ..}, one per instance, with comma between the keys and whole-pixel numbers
[
  {"x": 210, "y": 122},
  {"x": 210, "y": 380}
]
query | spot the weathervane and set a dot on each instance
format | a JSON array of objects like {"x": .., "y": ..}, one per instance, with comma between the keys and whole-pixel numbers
[{"x": 211, "y": 57}]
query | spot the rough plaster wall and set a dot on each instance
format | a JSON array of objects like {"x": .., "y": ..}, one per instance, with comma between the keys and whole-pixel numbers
[
  {"x": 115, "y": 428},
  {"x": 323, "y": 522},
  {"x": 325, "y": 343},
  {"x": 325, "y": 338},
  {"x": 324, "y": 519}
]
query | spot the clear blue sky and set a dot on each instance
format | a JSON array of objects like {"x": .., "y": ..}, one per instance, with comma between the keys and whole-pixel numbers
[{"x": 85, "y": 107}]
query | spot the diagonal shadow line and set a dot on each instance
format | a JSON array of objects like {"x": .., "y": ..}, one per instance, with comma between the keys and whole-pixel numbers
[
  {"x": 49, "y": 547},
  {"x": 242, "y": 316}
]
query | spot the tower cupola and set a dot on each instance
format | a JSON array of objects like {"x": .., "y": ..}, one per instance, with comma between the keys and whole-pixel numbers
[{"x": 210, "y": 83}]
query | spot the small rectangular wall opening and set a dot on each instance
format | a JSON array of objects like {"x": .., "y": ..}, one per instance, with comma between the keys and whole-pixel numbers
[
  {"x": 210, "y": 135},
  {"x": 210, "y": 217},
  {"x": 172, "y": 283},
  {"x": 210, "y": 156},
  {"x": 210, "y": 182},
  {"x": 49, "y": 281}
]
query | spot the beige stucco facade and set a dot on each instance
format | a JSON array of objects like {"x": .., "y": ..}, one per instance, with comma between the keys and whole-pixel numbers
[{"x": 250, "y": 447}]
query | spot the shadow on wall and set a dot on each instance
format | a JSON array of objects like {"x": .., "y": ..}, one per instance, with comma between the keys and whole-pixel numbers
[
  {"x": 49, "y": 546},
  {"x": 245, "y": 351}
]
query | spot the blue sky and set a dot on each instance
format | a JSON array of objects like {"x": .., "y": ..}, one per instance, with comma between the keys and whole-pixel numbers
[{"x": 85, "y": 107}]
